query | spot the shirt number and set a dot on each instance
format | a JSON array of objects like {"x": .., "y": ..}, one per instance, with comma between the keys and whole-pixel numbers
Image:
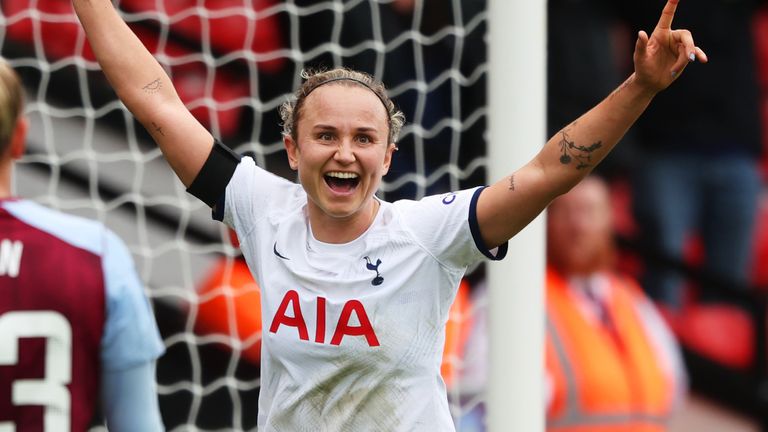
[{"x": 50, "y": 391}]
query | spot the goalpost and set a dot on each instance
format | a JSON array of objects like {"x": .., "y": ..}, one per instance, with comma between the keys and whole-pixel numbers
[
  {"x": 233, "y": 63},
  {"x": 517, "y": 75}
]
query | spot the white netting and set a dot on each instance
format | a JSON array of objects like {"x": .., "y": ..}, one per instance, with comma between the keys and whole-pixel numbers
[{"x": 234, "y": 62}]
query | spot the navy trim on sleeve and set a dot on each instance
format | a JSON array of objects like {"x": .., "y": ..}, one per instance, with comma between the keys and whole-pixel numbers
[
  {"x": 474, "y": 228},
  {"x": 212, "y": 180}
]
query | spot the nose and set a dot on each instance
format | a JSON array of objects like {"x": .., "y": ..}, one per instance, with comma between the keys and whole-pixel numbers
[{"x": 344, "y": 153}]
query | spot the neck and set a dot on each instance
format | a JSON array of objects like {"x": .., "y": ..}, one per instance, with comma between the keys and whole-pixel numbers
[
  {"x": 5, "y": 179},
  {"x": 329, "y": 229},
  {"x": 602, "y": 263}
]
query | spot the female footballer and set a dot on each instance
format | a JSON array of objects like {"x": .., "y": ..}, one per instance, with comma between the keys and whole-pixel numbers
[{"x": 355, "y": 290}]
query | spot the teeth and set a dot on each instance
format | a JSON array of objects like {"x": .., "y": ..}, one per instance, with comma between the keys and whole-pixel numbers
[{"x": 342, "y": 175}]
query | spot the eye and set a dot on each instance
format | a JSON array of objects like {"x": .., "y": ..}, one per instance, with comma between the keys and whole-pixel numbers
[
  {"x": 324, "y": 136},
  {"x": 364, "y": 139}
]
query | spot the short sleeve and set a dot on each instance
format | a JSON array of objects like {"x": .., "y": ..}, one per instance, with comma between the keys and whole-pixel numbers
[
  {"x": 130, "y": 334},
  {"x": 250, "y": 191},
  {"x": 446, "y": 225}
]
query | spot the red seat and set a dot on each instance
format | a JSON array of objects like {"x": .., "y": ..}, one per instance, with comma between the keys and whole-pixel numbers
[
  {"x": 57, "y": 27},
  {"x": 719, "y": 332},
  {"x": 59, "y": 33},
  {"x": 191, "y": 84},
  {"x": 760, "y": 263},
  {"x": 229, "y": 29},
  {"x": 760, "y": 33}
]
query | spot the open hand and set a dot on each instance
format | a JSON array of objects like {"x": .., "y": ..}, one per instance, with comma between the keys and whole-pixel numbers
[{"x": 662, "y": 57}]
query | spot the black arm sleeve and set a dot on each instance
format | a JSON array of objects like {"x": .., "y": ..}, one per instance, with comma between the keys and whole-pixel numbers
[{"x": 212, "y": 180}]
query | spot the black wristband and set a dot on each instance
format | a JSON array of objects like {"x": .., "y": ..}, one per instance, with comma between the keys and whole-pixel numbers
[{"x": 212, "y": 180}]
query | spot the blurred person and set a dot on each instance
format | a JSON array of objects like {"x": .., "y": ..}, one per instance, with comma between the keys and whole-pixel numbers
[
  {"x": 77, "y": 335},
  {"x": 611, "y": 362},
  {"x": 355, "y": 290},
  {"x": 698, "y": 150}
]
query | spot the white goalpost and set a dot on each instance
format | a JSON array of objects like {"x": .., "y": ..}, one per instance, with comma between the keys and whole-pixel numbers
[{"x": 517, "y": 130}]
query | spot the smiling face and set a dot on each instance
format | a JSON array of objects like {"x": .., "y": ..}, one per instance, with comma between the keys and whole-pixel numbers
[{"x": 341, "y": 153}]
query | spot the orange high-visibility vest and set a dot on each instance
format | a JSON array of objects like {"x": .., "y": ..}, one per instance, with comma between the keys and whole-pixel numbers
[
  {"x": 457, "y": 331},
  {"x": 603, "y": 380}
]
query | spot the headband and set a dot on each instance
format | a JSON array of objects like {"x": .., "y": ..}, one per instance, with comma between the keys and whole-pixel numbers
[{"x": 361, "y": 82}]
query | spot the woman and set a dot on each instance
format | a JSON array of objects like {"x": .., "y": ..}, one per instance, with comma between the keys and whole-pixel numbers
[{"x": 356, "y": 291}]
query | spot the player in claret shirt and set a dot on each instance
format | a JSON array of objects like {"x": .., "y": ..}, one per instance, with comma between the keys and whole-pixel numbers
[
  {"x": 76, "y": 331},
  {"x": 356, "y": 291}
]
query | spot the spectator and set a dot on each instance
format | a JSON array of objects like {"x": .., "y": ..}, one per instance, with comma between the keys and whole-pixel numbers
[
  {"x": 699, "y": 147},
  {"x": 611, "y": 362},
  {"x": 75, "y": 328}
]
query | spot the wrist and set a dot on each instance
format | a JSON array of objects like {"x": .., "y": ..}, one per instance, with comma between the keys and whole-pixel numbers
[{"x": 640, "y": 88}]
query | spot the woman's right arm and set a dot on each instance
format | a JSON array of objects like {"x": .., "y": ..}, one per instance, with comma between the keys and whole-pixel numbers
[{"x": 145, "y": 88}]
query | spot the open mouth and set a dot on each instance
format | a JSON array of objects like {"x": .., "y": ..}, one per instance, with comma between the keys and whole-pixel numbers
[{"x": 342, "y": 182}]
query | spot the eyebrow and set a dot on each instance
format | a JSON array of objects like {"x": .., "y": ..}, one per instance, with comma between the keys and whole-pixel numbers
[{"x": 325, "y": 127}]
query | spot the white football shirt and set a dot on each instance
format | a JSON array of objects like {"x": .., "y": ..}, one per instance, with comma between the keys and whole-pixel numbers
[{"x": 353, "y": 333}]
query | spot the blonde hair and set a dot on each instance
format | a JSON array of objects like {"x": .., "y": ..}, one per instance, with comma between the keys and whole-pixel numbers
[
  {"x": 290, "y": 111},
  {"x": 11, "y": 103}
]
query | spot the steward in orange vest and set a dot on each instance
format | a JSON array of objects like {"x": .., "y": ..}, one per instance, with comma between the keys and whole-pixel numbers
[
  {"x": 611, "y": 362},
  {"x": 604, "y": 376}
]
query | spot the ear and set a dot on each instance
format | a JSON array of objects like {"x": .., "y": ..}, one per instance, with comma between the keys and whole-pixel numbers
[
  {"x": 391, "y": 148},
  {"x": 293, "y": 152},
  {"x": 19, "y": 138}
]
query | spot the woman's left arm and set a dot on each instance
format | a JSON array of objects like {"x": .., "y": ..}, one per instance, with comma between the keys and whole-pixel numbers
[{"x": 507, "y": 206}]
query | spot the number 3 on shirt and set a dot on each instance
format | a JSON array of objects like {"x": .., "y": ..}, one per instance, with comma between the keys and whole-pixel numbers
[{"x": 50, "y": 391}]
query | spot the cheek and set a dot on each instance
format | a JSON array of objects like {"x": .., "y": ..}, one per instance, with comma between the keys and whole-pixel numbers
[
  {"x": 377, "y": 162},
  {"x": 312, "y": 156}
]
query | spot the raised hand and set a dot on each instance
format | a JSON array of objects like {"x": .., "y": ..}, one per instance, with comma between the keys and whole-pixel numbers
[{"x": 662, "y": 57}]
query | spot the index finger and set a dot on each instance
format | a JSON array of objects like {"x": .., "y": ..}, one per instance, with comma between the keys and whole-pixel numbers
[{"x": 665, "y": 22}]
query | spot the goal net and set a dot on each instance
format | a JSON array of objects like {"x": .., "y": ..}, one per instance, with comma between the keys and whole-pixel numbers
[{"x": 233, "y": 63}]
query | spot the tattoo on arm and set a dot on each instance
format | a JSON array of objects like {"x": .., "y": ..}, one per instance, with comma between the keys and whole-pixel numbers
[
  {"x": 512, "y": 182},
  {"x": 153, "y": 87},
  {"x": 569, "y": 152},
  {"x": 622, "y": 86},
  {"x": 158, "y": 129}
]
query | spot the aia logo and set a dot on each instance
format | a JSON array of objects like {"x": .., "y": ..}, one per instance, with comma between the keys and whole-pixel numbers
[
  {"x": 344, "y": 323},
  {"x": 378, "y": 280}
]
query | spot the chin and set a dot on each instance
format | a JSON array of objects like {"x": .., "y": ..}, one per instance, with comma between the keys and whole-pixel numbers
[{"x": 340, "y": 212}]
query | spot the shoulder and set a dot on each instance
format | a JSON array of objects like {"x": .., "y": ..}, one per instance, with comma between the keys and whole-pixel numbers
[
  {"x": 441, "y": 204},
  {"x": 76, "y": 231},
  {"x": 248, "y": 173},
  {"x": 628, "y": 286},
  {"x": 254, "y": 193}
]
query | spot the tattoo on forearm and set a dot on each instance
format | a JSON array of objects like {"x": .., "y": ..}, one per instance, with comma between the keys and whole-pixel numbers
[
  {"x": 158, "y": 129},
  {"x": 153, "y": 87},
  {"x": 622, "y": 86},
  {"x": 569, "y": 152},
  {"x": 512, "y": 182}
]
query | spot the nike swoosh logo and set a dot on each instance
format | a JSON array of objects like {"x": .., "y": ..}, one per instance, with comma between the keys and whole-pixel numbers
[{"x": 274, "y": 249}]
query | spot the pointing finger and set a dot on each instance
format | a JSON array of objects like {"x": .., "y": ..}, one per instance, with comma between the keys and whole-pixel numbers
[{"x": 665, "y": 22}]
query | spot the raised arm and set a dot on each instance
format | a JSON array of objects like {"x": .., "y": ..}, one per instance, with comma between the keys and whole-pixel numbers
[
  {"x": 507, "y": 206},
  {"x": 144, "y": 87}
]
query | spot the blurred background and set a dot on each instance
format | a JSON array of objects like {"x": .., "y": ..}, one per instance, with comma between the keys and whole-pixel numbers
[{"x": 686, "y": 186}]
